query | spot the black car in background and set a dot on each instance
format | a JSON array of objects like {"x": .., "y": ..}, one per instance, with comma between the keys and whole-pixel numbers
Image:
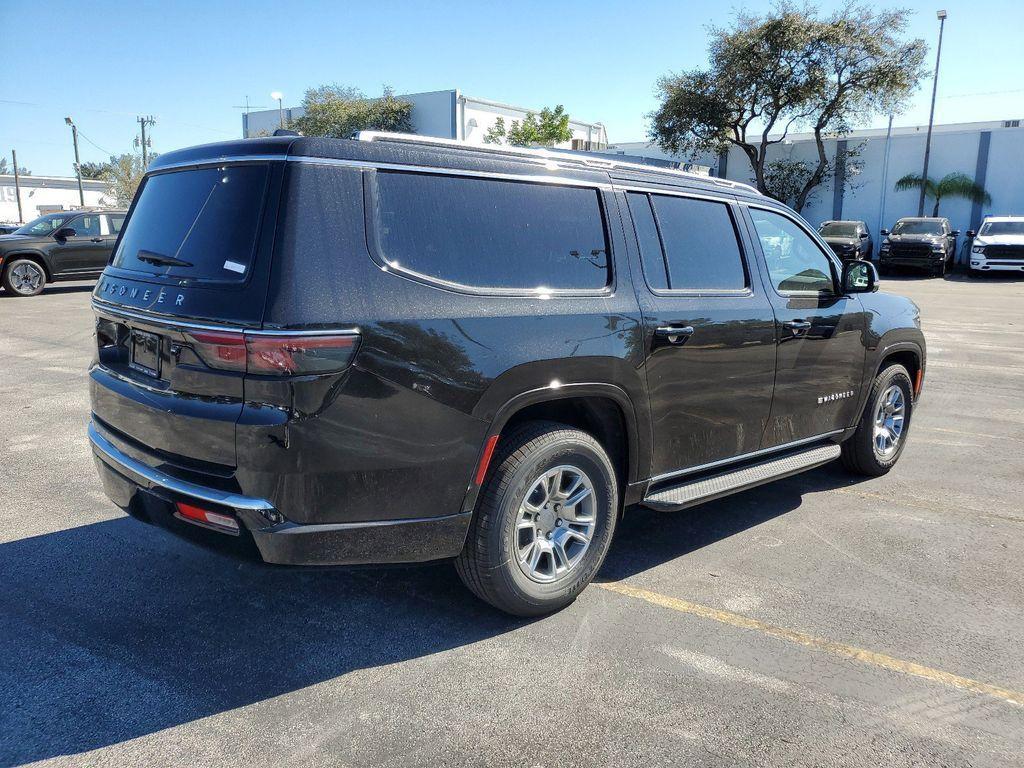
[
  {"x": 67, "y": 245},
  {"x": 848, "y": 239},
  {"x": 392, "y": 350},
  {"x": 926, "y": 243}
]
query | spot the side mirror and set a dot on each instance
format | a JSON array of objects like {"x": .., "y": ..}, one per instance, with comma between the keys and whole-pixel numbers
[
  {"x": 863, "y": 235},
  {"x": 972, "y": 234},
  {"x": 885, "y": 232},
  {"x": 954, "y": 233},
  {"x": 859, "y": 277},
  {"x": 64, "y": 233}
]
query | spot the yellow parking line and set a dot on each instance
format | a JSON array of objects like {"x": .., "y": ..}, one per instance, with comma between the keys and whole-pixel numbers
[{"x": 810, "y": 641}]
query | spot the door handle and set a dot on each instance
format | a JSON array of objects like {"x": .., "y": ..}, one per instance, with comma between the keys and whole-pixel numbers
[
  {"x": 674, "y": 334},
  {"x": 96, "y": 240},
  {"x": 797, "y": 325}
]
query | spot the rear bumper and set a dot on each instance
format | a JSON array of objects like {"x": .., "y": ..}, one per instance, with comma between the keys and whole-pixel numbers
[{"x": 147, "y": 493}]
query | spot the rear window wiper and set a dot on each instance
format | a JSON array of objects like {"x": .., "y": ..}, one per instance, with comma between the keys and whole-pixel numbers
[{"x": 160, "y": 260}]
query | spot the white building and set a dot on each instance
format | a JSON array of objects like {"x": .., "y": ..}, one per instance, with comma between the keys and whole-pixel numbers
[
  {"x": 46, "y": 194},
  {"x": 447, "y": 115},
  {"x": 991, "y": 153}
]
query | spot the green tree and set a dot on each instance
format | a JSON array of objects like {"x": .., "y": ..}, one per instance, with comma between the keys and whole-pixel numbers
[
  {"x": 951, "y": 185},
  {"x": 124, "y": 173},
  {"x": 339, "y": 111},
  {"x": 94, "y": 170},
  {"x": 545, "y": 130},
  {"x": 789, "y": 69},
  {"x": 786, "y": 178},
  {"x": 6, "y": 169}
]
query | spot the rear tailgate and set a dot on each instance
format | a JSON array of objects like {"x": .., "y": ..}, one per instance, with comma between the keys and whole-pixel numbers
[{"x": 192, "y": 261}]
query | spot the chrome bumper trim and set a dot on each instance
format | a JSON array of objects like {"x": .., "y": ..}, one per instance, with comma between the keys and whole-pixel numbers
[{"x": 151, "y": 477}]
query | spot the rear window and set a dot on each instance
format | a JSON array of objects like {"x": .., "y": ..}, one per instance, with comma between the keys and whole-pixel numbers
[
  {"x": 198, "y": 224},
  {"x": 489, "y": 233}
]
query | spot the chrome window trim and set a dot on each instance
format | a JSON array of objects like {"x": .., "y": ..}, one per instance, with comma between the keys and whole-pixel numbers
[
  {"x": 744, "y": 457},
  {"x": 118, "y": 311},
  {"x": 729, "y": 201},
  {"x": 540, "y": 293}
]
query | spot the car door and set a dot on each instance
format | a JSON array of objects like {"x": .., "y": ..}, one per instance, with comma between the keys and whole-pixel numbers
[
  {"x": 709, "y": 330},
  {"x": 80, "y": 252},
  {"x": 820, "y": 348},
  {"x": 110, "y": 227}
]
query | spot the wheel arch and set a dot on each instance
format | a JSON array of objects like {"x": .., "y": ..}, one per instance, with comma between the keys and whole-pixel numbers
[
  {"x": 36, "y": 256},
  {"x": 603, "y": 410},
  {"x": 910, "y": 356}
]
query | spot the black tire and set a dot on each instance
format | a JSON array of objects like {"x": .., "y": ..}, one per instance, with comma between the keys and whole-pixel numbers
[
  {"x": 18, "y": 287},
  {"x": 859, "y": 452},
  {"x": 489, "y": 565}
]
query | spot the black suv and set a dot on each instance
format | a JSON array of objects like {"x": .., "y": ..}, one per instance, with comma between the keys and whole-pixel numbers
[
  {"x": 847, "y": 239},
  {"x": 68, "y": 245},
  {"x": 923, "y": 243},
  {"x": 394, "y": 350}
]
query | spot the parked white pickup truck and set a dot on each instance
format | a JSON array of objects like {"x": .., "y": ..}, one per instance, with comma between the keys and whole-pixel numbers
[{"x": 998, "y": 245}]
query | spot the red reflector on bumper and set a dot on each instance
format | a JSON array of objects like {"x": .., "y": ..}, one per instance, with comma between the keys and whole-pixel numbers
[{"x": 200, "y": 515}]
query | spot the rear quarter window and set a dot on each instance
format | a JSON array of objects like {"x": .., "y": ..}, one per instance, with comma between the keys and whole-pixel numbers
[
  {"x": 491, "y": 233},
  {"x": 198, "y": 224}
]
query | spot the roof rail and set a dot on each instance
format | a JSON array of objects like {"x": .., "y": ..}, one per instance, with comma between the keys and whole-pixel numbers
[{"x": 540, "y": 154}]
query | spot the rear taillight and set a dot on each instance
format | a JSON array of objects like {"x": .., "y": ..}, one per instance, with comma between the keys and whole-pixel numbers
[{"x": 275, "y": 354}]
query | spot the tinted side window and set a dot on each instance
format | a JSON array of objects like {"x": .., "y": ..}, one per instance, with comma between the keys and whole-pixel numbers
[
  {"x": 86, "y": 226},
  {"x": 795, "y": 262},
  {"x": 116, "y": 222},
  {"x": 491, "y": 233},
  {"x": 649, "y": 241},
  {"x": 701, "y": 249}
]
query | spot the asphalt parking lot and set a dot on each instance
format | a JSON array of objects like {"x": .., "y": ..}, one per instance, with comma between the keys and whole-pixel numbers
[{"x": 821, "y": 620}]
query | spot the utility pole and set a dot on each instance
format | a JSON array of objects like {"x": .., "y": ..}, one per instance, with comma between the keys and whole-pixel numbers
[
  {"x": 143, "y": 122},
  {"x": 17, "y": 184},
  {"x": 78, "y": 165},
  {"x": 931, "y": 115}
]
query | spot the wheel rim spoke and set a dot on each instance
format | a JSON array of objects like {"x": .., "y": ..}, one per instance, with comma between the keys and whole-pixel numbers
[
  {"x": 890, "y": 417},
  {"x": 555, "y": 524}
]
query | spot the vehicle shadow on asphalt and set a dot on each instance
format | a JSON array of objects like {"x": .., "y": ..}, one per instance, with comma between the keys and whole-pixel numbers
[
  {"x": 646, "y": 538},
  {"x": 116, "y": 630}
]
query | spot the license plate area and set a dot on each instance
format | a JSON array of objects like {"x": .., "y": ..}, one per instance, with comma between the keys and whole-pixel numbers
[{"x": 144, "y": 353}]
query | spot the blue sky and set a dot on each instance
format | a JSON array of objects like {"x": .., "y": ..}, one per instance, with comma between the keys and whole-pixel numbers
[{"x": 190, "y": 63}]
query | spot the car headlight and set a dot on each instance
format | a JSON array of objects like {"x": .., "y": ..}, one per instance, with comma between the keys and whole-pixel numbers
[
  {"x": 938, "y": 247},
  {"x": 978, "y": 249}
]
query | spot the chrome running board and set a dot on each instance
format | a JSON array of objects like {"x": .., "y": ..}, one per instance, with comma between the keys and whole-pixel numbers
[{"x": 697, "y": 490}]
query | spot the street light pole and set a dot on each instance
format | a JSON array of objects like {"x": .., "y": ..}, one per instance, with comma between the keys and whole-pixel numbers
[
  {"x": 931, "y": 115},
  {"x": 280, "y": 106},
  {"x": 17, "y": 184},
  {"x": 78, "y": 165}
]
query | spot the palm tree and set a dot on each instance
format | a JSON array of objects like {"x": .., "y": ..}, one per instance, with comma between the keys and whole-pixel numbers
[{"x": 951, "y": 185}]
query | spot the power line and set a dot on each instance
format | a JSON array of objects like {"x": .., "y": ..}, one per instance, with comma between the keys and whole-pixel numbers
[{"x": 101, "y": 149}]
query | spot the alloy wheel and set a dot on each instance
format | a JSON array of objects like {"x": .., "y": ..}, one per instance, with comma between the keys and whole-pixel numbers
[
  {"x": 889, "y": 419},
  {"x": 26, "y": 278},
  {"x": 555, "y": 524}
]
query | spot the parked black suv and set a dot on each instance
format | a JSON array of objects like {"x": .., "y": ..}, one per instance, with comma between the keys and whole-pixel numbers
[
  {"x": 397, "y": 350},
  {"x": 68, "y": 245},
  {"x": 922, "y": 243}
]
